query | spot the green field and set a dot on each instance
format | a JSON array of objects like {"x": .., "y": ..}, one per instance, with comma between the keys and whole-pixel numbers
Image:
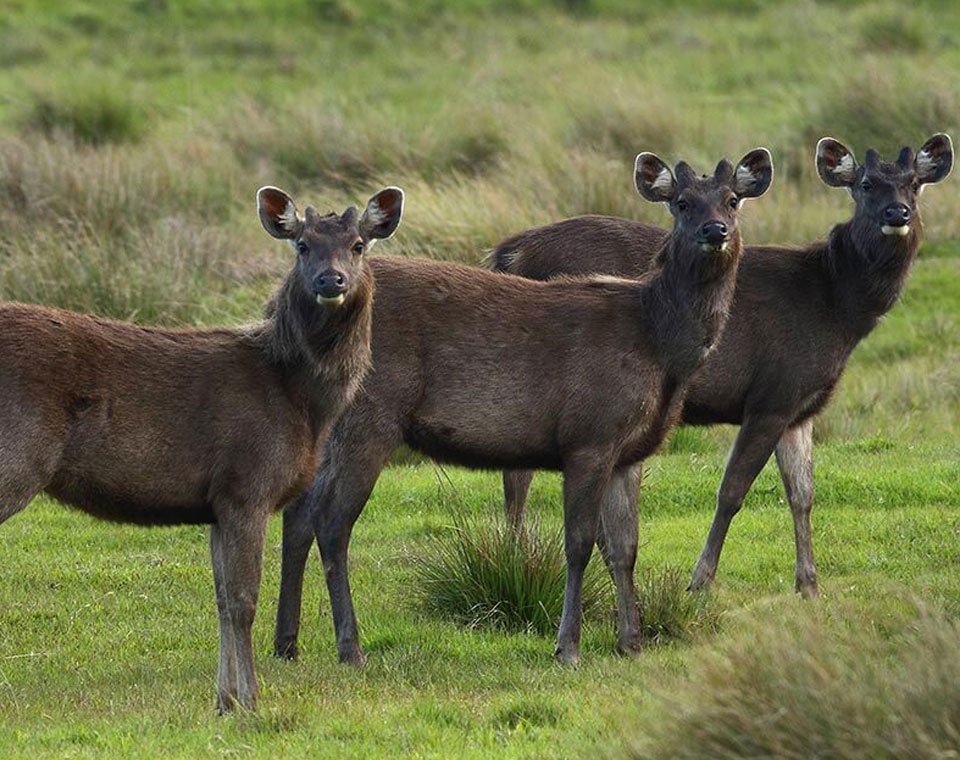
[{"x": 133, "y": 136}]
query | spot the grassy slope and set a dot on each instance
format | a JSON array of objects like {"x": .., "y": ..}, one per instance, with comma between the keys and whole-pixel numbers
[{"x": 493, "y": 122}]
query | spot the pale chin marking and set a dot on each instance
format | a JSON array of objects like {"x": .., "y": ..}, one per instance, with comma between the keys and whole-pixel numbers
[
  {"x": 335, "y": 301},
  {"x": 898, "y": 231},
  {"x": 711, "y": 248}
]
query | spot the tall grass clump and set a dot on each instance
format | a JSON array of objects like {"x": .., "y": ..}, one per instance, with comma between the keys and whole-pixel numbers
[
  {"x": 668, "y": 612},
  {"x": 803, "y": 688},
  {"x": 153, "y": 232},
  {"x": 94, "y": 113},
  {"x": 468, "y": 140},
  {"x": 341, "y": 146},
  {"x": 117, "y": 188},
  {"x": 307, "y": 141},
  {"x": 624, "y": 125},
  {"x": 886, "y": 107},
  {"x": 172, "y": 273},
  {"x": 886, "y": 29},
  {"x": 484, "y": 573}
]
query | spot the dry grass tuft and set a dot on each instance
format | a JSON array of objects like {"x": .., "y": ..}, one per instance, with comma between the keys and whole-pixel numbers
[{"x": 801, "y": 687}]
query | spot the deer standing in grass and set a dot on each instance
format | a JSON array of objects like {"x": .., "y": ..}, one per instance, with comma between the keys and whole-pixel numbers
[
  {"x": 489, "y": 371},
  {"x": 797, "y": 315},
  {"x": 220, "y": 426}
]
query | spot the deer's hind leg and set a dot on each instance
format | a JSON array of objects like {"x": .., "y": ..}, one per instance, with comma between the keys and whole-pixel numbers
[
  {"x": 617, "y": 541},
  {"x": 516, "y": 486},
  {"x": 795, "y": 459},
  {"x": 754, "y": 444}
]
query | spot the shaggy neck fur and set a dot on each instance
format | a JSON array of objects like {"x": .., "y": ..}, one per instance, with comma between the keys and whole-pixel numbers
[
  {"x": 689, "y": 300},
  {"x": 868, "y": 269},
  {"x": 324, "y": 350}
]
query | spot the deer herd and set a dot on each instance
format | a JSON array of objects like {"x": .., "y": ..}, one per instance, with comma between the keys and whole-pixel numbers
[{"x": 582, "y": 348}]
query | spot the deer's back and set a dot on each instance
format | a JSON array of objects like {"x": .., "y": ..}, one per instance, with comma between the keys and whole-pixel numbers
[
  {"x": 783, "y": 347},
  {"x": 485, "y": 369},
  {"x": 580, "y": 246},
  {"x": 149, "y": 422}
]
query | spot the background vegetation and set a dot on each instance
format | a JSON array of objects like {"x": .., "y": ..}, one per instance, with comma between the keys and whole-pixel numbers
[{"x": 133, "y": 136}]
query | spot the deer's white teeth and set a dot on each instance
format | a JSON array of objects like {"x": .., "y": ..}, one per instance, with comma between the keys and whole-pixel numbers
[
  {"x": 335, "y": 301},
  {"x": 724, "y": 245},
  {"x": 902, "y": 230}
]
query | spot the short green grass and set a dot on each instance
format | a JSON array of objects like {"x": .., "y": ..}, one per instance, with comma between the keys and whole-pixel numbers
[{"x": 108, "y": 633}]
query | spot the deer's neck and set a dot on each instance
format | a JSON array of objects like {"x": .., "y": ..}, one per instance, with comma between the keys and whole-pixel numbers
[
  {"x": 323, "y": 350},
  {"x": 868, "y": 270},
  {"x": 688, "y": 303}
]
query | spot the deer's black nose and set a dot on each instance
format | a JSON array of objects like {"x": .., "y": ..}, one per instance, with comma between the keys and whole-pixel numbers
[
  {"x": 330, "y": 284},
  {"x": 896, "y": 215},
  {"x": 713, "y": 232}
]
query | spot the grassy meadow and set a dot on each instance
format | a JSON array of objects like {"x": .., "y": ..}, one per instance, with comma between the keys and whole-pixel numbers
[{"x": 133, "y": 136}]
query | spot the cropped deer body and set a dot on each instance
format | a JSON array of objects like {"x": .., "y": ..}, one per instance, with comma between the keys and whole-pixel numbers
[
  {"x": 797, "y": 315},
  {"x": 222, "y": 426},
  {"x": 485, "y": 370}
]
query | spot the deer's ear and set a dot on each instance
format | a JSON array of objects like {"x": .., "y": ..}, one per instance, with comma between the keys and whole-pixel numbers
[
  {"x": 382, "y": 214},
  {"x": 278, "y": 213},
  {"x": 753, "y": 174},
  {"x": 835, "y": 163},
  {"x": 653, "y": 179},
  {"x": 935, "y": 159}
]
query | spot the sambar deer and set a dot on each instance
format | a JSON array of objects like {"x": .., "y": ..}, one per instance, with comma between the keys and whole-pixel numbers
[
  {"x": 797, "y": 314},
  {"x": 220, "y": 426},
  {"x": 485, "y": 370}
]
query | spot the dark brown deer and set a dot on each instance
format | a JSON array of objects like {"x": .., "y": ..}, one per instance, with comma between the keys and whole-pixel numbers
[
  {"x": 489, "y": 371},
  {"x": 219, "y": 426},
  {"x": 796, "y": 316}
]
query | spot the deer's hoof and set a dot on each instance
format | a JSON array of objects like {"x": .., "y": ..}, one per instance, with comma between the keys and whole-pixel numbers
[
  {"x": 353, "y": 656},
  {"x": 286, "y": 650},
  {"x": 567, "y": 656}
]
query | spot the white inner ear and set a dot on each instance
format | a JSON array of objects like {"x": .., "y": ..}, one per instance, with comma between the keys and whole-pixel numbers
[
  {"x": 846, "y": 166},
  {"x": 663, "y": 181},
  {"x": 925, "y": 163},
  {"x": 288, "y": 219},
  {"x": 375, "y": 215},
  {"x": 744, "y": 175}
]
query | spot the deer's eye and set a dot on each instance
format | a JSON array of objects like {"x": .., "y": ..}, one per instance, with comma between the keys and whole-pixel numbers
[
  {"x": 682, "y": 205},
  {"x": 302, "y": 248},
  {"x": 866, "y": 186},
  {"x": 358, "y": 247},
  {"x": 734, "y": 202}
]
